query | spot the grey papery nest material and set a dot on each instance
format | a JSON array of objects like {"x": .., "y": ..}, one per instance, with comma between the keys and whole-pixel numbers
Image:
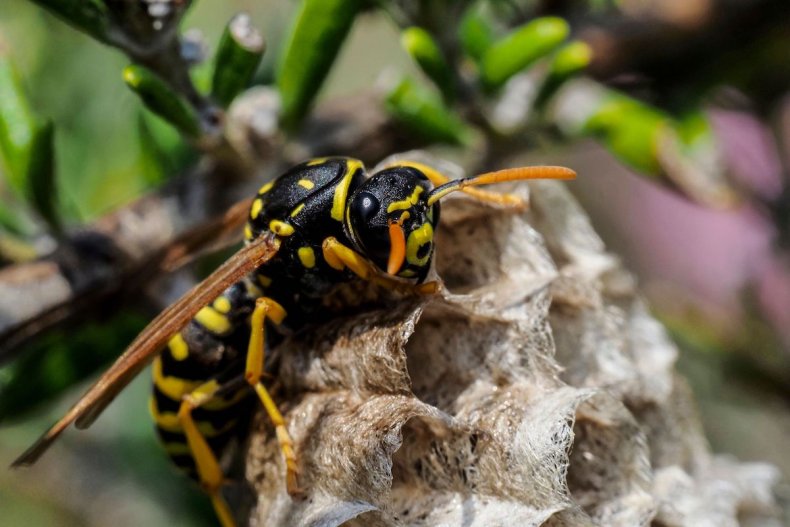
[{"x": 537, "y": 391}]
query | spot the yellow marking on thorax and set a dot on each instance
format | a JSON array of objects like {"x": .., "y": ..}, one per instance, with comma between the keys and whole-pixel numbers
[
  {"x": 264, "y": 280},
  {"x": 248, "y": 232},
  {"x": 213, "y": 320},
  {"x": 407, "y": 273},
  {"x": 417, "y": 239},
  {"x": 178, "y": 347},
  {"x": 408, "y": 202},
  {"x": 341, "y": 191},
  {"x": 297, "y": 210},
  {"x": 266, "y": 188},
  {"x": 306, "y": 256},
  {"x": 306, "y": 183},
  {"x": 222, "y": 304},
  {"x": 256, "y": 208},
  {"x": 281, "y": 228},
  {"x": 317, "y": 161}
]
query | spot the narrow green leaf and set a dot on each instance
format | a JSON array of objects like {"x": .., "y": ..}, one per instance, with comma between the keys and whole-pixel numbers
[
  {"x": 238, "y": 56},
  {"x": 321, "y": 28},
  {"x": 630, "y": 130},
  {"x": 476, "y": 34},
  {"x": 422, "y": 111},
  {"x": 426, "y": 53},
  {"x": 89, "y": 16},
  {"x": 162, "y": 100},
  {"x": 521, "y": 48},
  {"x": 17, "y": 126},
  {"x": 26, "y": 147},
  {"x": 41, "y": 188},
  {"x": 568, "y": 61}
]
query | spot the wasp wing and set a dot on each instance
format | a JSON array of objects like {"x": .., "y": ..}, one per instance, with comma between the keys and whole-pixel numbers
[{"x": 151, "y": 341}]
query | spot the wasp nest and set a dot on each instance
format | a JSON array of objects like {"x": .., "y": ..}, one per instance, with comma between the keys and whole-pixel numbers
[{"x": 536, "y": 390}]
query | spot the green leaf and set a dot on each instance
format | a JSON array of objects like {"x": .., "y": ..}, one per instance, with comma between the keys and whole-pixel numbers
[
  {"x": 630, "y": 130},
  {"x": 426, "y": 53},
  {"x": 41, "y": 189},
  {"x": 567, "y": 62},
  {"x": 238, "y": 56},
  {"x": 320, "y": 29},
  {"x": 162, "y": 100},
  {"x": 89, "y": 16},
  {"x": 476, "y": 34},
  {"x": 18, "y": 126},
  {"x": 520, "y": 49},
  {"x": 27, "y": 147},
  {"x": 423, "y": 112}
]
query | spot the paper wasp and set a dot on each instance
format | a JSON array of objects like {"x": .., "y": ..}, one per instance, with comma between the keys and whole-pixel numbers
[{"x": 322, "y": 223}]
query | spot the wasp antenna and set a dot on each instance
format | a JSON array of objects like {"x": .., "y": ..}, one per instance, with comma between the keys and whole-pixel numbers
[{"x": 499, "y": 176}]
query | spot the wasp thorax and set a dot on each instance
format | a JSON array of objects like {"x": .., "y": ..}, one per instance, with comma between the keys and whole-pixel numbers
[{"x": 389, "y": 220}]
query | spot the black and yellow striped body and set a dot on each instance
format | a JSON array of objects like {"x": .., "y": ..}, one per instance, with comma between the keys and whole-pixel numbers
[
  {"x": 303, "y": 207},
  {"x": 210, "y": 347}
]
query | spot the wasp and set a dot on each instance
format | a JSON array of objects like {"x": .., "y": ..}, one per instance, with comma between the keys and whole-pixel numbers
[{"x": 320, "y": 224}]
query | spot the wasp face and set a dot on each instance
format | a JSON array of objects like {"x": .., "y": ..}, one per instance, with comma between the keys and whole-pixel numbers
[{"x": 389, "y": 220}]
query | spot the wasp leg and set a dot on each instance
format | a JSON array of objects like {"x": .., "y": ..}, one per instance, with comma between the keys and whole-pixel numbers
[
  {"x": 209, "y": 471},
  {"x": 340, "y": 257},
  {"x": 268, "y": 308},
  {"x": 438, "y": 179}
]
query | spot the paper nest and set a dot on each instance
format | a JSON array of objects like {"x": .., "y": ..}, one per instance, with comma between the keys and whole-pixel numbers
[{"x": 537, "y": 391}]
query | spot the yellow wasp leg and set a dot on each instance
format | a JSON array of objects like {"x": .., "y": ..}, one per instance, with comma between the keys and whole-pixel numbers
[
  {"x": 209, "y": 471},
  {"x": 340, "y": 257},
  {"x": 438, "y": 179},
  {"x": 268, "y": 308}
]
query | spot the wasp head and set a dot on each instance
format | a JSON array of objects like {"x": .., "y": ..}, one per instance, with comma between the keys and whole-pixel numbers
[{"x": 389, "y": 220}]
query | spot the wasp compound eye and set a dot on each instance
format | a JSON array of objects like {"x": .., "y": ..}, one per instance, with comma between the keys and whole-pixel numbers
[
  {"x": 365, "y": 207},
  {"x": 368, "y": 224}
]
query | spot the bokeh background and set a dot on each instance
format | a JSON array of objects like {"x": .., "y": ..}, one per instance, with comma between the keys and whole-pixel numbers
[{"x": 718, "y": 279}]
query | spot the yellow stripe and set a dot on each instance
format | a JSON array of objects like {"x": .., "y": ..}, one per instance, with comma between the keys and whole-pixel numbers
[
  {"x": 257, "y": 207},
  {"x": 317, "y": 161},
  {"x": 169, "y": 422},
  {"x": 248, "y": 232},
  {"x": 306, "y": 183},
  {"x": 178, "y": 347},
  {"x": 341, "y": 191},
  {"x": 264, "y": 280},
  {"x": 306, "y": 256},
  {"x": 408, "y": 202},
  {"x": 417, "y": 239},
  {"x": 222, "y": 304},
  {"x": 266, "y": 188},
  {"x": 281, "y": 228},
  {"x": 214, "y": 321},
  {"x": 172, "y": 387},
  {"x": 297, "y": 210}
]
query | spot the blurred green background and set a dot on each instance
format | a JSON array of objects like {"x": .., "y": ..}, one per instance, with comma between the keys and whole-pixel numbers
[{"x": 712, "y": 276}]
